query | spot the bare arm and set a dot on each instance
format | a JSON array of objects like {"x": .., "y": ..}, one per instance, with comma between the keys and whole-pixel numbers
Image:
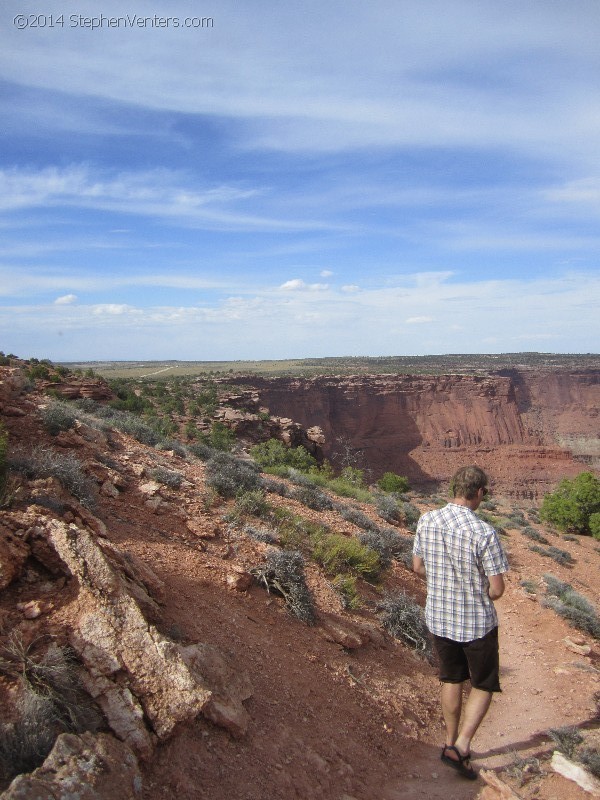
[
  {"x": 496, "y": 589},
  {"x": 419, "y": 566}
]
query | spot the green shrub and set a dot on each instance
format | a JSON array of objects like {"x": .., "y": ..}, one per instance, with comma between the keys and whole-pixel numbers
[
  {"x": 562, "y": 557},
  {"x": 58, "y": 417},
  {"x": 570, "y": 507},
  {"x": 173, "y": 444},
  {"x": 489, "y": 505},
  {"x": 516, "y": 518},
  {"x": 404, "y": 619},
  {"x": 337, "y": 553},
  {"x": 43, "y": 462},
  {"x": 167, "y": 477},
  {"x": 572, "y": 606},
  {"x": 567, "y": 739},
  {"x": 219, "y": 438},
  {"x": 265, "y": 535},
  {"x": 283, "y": 573},
  {"x": 410, "y": 514},
  {"x": 38, "y": 371},
  {"x": 529, "y": 586},
  {"x": 357, "y": 517},
  {"x": 531, "y": 533},
  {"x": 388, "y": 508},
  {"x": 594, "y": 523},
  {"x": 388, "y": 545},
  {"x": 345, "y": 488},
  {"x": 353, "y": 476},
  {"x": 293, "y": 530},
  {"x": 277, "y": 487},
  {"x": 133, "y": 426},
  {"x": 201, "y": 450},
  {"x": 229, "y": 475},
  {"x": 312, "y": 497},
  {"x": 390, "y": 482},
  {"x": 274, "y": 453},
  {"x": 251, "y": 503},
  {"x": 345, "y": 586},
  {"x": 590, "y": 758}
]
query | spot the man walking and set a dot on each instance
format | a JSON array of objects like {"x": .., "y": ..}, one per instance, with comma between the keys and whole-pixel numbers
[{"x": 463, "y": 561}]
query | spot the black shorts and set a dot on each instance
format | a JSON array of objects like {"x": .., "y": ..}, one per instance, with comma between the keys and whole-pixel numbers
[{"x": 477, "y": 661}]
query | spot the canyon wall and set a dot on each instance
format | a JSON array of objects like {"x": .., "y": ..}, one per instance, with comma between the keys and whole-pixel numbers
[{"x": 527, "y": 429}]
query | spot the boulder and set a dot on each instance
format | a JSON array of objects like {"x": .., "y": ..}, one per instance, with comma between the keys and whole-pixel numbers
[
  {"x": 12, "y": 385},
  {"x": 85, "y": 767},
  {"x": 13, "y": 554},
  {"x": 128, "y": 659}
]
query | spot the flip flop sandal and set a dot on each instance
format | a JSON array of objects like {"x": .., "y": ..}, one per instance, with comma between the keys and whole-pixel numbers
[{"x": 460, "y": 763}]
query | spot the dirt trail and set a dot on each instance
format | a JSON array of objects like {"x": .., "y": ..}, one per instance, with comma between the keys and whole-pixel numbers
[{"x": 544, "y": 686}]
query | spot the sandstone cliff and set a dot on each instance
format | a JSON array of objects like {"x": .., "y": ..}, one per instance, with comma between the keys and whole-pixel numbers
[{"x": 528, "y": 429}]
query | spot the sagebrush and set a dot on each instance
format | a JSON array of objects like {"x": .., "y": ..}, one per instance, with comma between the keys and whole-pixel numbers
[{"x": 283, "y": 573}]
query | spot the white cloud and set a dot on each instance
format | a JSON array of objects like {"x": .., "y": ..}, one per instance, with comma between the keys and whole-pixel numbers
[
  {"x": 494, "y": 314},
  {"x": 298, "y": 285},
  {"x": 350, "y": 287},
  {"x": 113, "y": 309},
  {"x": 326, "y": 273},
  {"x": 418, "y": 320},
  {"x": 66, "y": 300}
]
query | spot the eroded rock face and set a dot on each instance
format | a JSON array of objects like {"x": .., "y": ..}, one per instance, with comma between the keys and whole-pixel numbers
[
  {"x": 134, "y": 672},
  {"x": 94, "y": 389},
  {"x": 523, "y": 427},
  {"x": 13, "y": 554},
  {"x": 12, "y": 385},
  {"x": 85, "y": 767}
]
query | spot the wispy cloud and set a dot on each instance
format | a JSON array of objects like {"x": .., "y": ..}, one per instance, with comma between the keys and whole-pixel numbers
[
  {"x": 416, "y": 77},
  {"x": 156, "y": 193}
]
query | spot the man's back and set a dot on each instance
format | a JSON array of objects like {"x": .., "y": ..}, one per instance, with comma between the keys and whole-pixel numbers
[{"x": 460, "y": 551}]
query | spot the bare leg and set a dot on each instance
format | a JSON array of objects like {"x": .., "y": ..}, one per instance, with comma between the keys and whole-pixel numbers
[
  {"x": 452, "y": 694},
  {"x": 476, "y": 708}
]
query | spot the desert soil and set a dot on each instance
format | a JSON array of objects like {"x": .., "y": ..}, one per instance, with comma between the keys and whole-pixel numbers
[
  {"x": 327, "y": 721},
  {"x": 335, "y": 723}
]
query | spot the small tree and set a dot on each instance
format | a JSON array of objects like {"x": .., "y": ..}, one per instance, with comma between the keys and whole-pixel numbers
[
  {"x": 274, "y": 453},
  {"x": 391, "y": 482},
  {"x": 572, "y": 505}
]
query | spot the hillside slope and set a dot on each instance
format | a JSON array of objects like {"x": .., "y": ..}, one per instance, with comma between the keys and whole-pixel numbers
[{"x": 275, "y": 708}]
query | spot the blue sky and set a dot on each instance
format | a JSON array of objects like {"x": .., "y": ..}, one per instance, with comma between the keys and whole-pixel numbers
[{"x": 298, "y": 180}]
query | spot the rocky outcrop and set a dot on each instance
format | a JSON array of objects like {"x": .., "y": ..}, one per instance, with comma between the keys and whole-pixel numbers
[
  {"x": 12, "y": 386},
  {"x": 86, "y": 767},
  {"x": 527, "y": 428},
  {"x": 95, "y": 389},
  {"x": 145, "y": 683},
  {"x": 255, "y": 428}
]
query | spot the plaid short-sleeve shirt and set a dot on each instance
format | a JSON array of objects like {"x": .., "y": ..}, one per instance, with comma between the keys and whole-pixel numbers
[{"x": 460, "y": 552}]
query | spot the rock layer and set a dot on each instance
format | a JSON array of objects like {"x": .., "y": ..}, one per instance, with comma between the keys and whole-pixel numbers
[{"x": 527, "y": 428}]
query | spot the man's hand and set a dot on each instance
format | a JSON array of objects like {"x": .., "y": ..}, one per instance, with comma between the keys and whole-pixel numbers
[
  {"x": 419, "y": 566},
  {"x": 496, "y": 589}
]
